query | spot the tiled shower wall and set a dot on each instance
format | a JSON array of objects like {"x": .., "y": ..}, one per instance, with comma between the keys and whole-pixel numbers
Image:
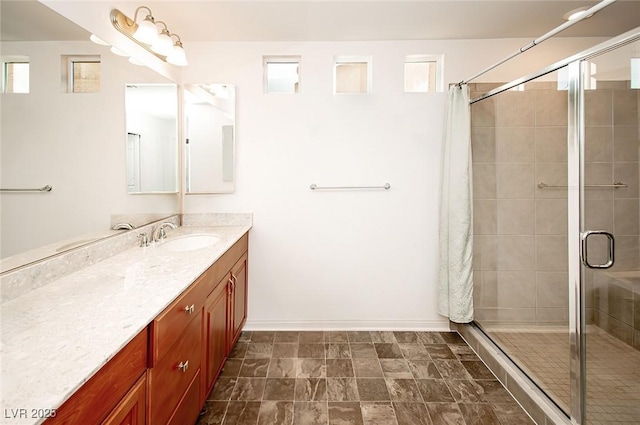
[
  {"x": 520, "y": 230},
  {"x": 612, "y": 153}
]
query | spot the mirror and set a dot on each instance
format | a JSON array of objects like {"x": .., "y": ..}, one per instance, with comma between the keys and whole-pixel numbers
[
  {"x": 152, "y": 137},
  {"x": 74, "y": 142},
  {"x": 210, "y": 138}
]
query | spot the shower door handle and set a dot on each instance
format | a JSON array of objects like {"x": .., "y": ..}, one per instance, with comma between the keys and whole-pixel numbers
[{"x": 583, "y": 249}]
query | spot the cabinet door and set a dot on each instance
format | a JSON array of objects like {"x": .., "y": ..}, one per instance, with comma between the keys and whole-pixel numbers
[
  {"x": 238, "y": 299},
  {"x": 216, "y": 332},
  {"x": 131, "y": 410}
]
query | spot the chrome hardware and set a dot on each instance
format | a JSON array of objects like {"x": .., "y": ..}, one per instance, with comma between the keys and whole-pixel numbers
[
  {"x": 190, "y": 309},
  {"x": 47, "y": 188},
  {"x": 123, "y": 226},
  {"x": 615, "y": 185},
  {"x": 144, "y": 240},
  {"x": 583, "y": 249},
  {"x": 314, "y": 186},
  {"x": 183, "y": 366},
  {"x": 158, "y": 233}
]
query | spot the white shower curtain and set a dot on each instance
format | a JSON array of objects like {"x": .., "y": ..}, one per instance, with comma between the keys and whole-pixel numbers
[{"x": 455, "y": 291}]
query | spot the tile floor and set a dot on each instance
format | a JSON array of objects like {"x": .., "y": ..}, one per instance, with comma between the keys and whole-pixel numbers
[
  {"x": 613, "y": 370},
  {"x": 357, "y": 378}
]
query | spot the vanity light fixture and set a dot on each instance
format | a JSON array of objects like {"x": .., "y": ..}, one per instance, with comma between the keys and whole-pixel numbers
[{"x": 145, "y": 33}]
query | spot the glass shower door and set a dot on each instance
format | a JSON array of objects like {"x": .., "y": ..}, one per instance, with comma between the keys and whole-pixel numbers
[
  {"x": 609, "y": 235},
  {"x": 519, "y": 142}
]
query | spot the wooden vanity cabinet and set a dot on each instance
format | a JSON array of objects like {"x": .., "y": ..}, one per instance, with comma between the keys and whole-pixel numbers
[
  {"x": 101, "y": 394},
  {"x": 164, "y": 374},
  {"x": 225, "y": 309}
]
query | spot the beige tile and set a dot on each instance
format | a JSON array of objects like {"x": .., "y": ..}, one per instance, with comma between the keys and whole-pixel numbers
[
  {"x": 483, "y": 144},
  {"x": 515, "y": 144},
  {"x": 551, "y": 144},
  {"x": 551, "y": 107},
  {"x": 516, "y": 253},
  {"x": 599, "y": 173},
  {"x": 552, "y": 315},
  {"x": 483, "y": 114},
  {"x": 516, "y": 217},
  {"x": 551, "y": 216},
  {"x": 515, "y": 109},
  {"x": 627, "y": 253},
  {"x": 485, "y": 250},
  {"x": 484, "y": 217},
  {"x": 598, "y": 107},
  {"x": 551, "y": 173},
  {"x": 598, "y": 144},
  {"x": 485, "y": 291},
  {"x": 551, "y": 253},
  {"x": 599, "y": 214},
  {"x": 626, "y": 143},
  {"x": 484, "y": 181},
  {"x": 517, "y": 289},
  {"x": 552, "y": 289},
  {"x": 628, "y": 174},
  {"x": 625, "y": 107},
  {"x": 626, "y": 217},
  {"x": 515, "y": 181}
]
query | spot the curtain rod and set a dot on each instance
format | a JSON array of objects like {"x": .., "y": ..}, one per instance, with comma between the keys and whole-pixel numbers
[{"x": 587, "y": 14}]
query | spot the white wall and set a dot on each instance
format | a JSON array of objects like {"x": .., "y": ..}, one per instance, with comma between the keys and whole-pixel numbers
[
  {"x": 352, "y": 259},
  {"x": 74, "y": 142}
]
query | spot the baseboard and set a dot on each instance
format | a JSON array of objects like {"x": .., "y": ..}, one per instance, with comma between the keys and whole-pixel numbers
[{"x": 347, "y": 325}]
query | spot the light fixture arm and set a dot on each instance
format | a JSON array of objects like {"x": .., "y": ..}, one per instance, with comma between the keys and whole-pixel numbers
[
  {"x": 135, "y": 14},
  {"x": 165, "y": 29}
]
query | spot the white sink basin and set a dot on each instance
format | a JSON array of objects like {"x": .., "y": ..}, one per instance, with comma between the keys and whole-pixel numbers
[{"x": 189, "y": 242}]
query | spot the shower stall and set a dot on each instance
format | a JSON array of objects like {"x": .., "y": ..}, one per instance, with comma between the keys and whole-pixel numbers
[{"x": 556, "y": 182}]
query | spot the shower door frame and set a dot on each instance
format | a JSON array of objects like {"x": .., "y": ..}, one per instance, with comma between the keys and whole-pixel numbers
[{"x": 575, "y": 206}]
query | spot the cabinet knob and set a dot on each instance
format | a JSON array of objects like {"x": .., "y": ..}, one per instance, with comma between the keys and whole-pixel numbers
[
  {"x": 190, "y": 309},
  {"x": 183, "y": 366}
]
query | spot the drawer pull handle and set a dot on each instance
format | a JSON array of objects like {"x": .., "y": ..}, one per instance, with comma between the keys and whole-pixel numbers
[
  {"x": 183, "y": 366},
  {"x": 190, "y": 309}
]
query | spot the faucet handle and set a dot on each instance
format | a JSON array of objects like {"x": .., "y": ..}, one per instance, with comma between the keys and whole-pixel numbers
[
  {"x": 144, "y": 239},
  {"x": 162, "y": 234}
]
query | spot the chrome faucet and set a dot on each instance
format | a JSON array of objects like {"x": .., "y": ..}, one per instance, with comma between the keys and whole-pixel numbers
[{"x": 158, "y": 233}]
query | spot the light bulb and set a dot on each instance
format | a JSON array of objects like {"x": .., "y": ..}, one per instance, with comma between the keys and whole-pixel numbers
[
  {"x": 147, "y": 32},
  {"x": 98, "y": 40},
  {"x": 163, "y": 45},
  {"x": 178, "y": 56}
]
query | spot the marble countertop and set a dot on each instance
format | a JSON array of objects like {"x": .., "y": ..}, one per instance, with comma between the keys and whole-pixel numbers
[{"x": 56, "y": 337}]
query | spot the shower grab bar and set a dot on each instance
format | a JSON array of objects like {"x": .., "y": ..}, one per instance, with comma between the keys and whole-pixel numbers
[
  {"x": 47, "y": 188},
  {"x": 615, "y": 185},
  {"x": 314, "y": 186}
]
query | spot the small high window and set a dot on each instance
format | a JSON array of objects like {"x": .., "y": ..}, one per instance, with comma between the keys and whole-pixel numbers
[
  {"x": 352, "y": 74},
  {"x": 281, "y": 74},
  {"x": 15, "y": 74},
  {"x": 82, "y": 74},
  {"x": 423, "y": 74}
]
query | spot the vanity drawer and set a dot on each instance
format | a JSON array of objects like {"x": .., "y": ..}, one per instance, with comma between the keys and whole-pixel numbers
[
  {"x": 171, "y": 323},
  {"x": 223, "y": 265},
  {"x": 171, "y": 376}
]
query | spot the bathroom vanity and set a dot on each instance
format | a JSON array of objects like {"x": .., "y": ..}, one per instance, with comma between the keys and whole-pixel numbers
[{"x": 138, "y": 338}]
